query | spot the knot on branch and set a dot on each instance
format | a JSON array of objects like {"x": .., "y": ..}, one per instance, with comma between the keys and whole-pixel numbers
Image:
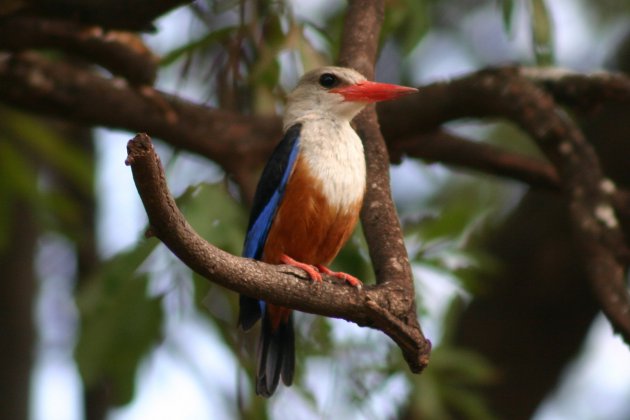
[{"x": 139, "y": 146}]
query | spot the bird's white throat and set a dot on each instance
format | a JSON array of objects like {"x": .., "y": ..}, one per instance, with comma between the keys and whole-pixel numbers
[{"x": 334, "y": 155}]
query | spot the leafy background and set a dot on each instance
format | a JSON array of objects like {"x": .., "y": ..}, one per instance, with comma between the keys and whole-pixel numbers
[{"x": 117, "y": 310}]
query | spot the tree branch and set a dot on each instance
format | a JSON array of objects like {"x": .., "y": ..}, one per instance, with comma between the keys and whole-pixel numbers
[
  {"x": 504, "y": 93},
  {"x": 240, "y": 144},
  {"x": 122, "y": 53},
  {"x": 136, "y": 15},
  {"x": 582, "y": 92},
  {"x": 61, "y": 89},
  {"x": 277, "y": 284},
  {"x": 381, "y": 226},
  {"x": 450, "y": 149}
]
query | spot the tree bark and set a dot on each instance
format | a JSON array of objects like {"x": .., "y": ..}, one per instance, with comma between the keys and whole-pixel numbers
[
  {"x": 17, "y": 333},
  {"x": 533, "y": 315}
]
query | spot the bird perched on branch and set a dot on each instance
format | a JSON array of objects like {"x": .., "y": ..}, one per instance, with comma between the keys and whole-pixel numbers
[{"x": 308, "y": 200}]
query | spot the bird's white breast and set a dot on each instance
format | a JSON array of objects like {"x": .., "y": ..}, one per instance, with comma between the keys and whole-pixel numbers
[{"x": 333, "y": 153}]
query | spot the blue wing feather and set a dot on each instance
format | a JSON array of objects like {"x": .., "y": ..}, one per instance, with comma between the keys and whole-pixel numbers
[{"x": 269, "y": 193}]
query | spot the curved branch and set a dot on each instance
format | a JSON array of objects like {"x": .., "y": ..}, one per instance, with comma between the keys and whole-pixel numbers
[
  {"x": 277, "y": 284},
  {"x": 450, "y": 149},
  {"x": 240, "y": 143},
  {"x": 59, "y": 89},
  {"x": 122, "y": 53},
  {"x": 136, "y": 15},
  {"x": 583, "y": 92},
  {"x": 504, "y": 93}
]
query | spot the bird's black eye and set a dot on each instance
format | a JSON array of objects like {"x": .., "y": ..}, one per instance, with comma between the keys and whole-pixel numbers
[{"x": 328, "y": 80}]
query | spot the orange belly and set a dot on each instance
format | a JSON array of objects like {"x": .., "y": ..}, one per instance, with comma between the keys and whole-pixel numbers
[{"x": 306, "y": 227}]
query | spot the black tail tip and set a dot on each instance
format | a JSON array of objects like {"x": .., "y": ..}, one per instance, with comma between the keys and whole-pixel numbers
[{"x": 276, "y": 357}]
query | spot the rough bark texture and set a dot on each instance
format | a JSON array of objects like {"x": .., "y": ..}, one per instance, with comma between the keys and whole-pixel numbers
[
  {"x": 122, "y": 53},
  {"x": 241, "y": 144},
  {"x": 359, "y": 45},
  {"x": 373, "y": 306}
]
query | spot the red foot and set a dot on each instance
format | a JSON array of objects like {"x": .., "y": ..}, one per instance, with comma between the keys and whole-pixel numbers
[
  {"x": 310, "y": 270},
  {"x": 353, "y": 281}
]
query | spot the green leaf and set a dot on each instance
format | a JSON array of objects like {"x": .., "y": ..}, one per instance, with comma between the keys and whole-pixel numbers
[
  {"x": 215, "y": 215},
  {"x": 120, "y": 324},
  {"x": 17, "y": 175},
  {"x": 310, "y": 56},
  {"x": 18, "y": 181},
  {"x": 449, "y": 388},
  {"x": 407, "y": 21},
  {"x": 222, "y": 221},
  {"x": 203, "y": 42},
  {"x": 266, "y": 70},
  {"x": 507, "y": 9},
  {"x": 469, "y": 405},
  {"x": 463, "y": 367},
  {"x": 542, "y": 32},
  {"x": 48, "y": 146}
]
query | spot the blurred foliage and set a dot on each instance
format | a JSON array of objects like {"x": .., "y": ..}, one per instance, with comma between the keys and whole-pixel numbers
[
  {"x": 34, "y": 160},
  {"x": 540, "y": 23},
  {"x": 406, "y": 22},
  {"x": 507, "y": 9},
  {"x": 120, "y": 324},
  {"x": 241, "y": 49},
  {"x": 542, "y": 32},
  {"x": 450, "y": 388},
  {"x": 116, "y": 306},
  {"x": 444, "y": 234},
  {"x": 245, "y": 53}
]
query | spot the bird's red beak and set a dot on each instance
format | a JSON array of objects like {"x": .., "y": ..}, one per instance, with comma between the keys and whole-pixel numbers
[{"x": 372, "y": 91}]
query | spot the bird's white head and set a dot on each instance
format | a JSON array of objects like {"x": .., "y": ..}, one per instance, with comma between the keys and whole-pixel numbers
[{"x": 336, "y": 92}]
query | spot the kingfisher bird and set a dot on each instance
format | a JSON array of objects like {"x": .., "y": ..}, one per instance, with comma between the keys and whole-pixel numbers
[{"x": 308, "y": 200}]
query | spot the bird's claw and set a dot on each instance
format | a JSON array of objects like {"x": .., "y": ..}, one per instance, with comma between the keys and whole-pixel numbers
[
  {"x": 310, "y": 270},
  {"x": 314, "y": 272},
  {"x": 350, "y": 279}
]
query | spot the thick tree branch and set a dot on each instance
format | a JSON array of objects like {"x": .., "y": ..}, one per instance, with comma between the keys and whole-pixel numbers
[
  {"x": 504, "y": 93},
  {"x": 237, "y": 142},
  {"x": 122, "y": 53},
  {"x": 241, "y": 143},
  {"x": 585, "y": 93},
  {"x": 277, "y": 284},
  {"x": 61, "y": 89},
  {"x": 432, "y": 106},
  {"x": 134, "y": 15},
  {"x": 359, "y": 45},
  {"x": 450, "y": 149}
]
